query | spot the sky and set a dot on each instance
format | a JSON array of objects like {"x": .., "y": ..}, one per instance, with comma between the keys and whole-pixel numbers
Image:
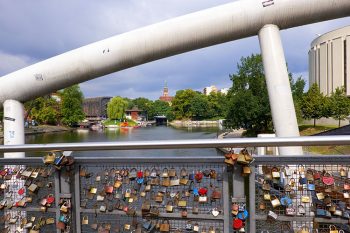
[{"x": 32, "y": 31}]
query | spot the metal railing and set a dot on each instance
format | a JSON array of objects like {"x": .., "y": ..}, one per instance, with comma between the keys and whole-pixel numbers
[{"x": 69, "y": 185}]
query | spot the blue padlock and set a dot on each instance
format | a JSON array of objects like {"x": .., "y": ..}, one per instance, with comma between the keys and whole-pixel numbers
[
  {"x": 243, "y": 215},
  {"x": 302, "y": 180},
  {"x": 140, "y": 180},
  {"x": 191, "y": 176},
  {"x": 195, "y": 192},
  {"x": 286, "y": 201},
  {"x": 311, "y": 187}
]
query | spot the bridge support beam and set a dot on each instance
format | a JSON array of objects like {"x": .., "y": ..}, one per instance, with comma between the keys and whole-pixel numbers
[
  {"x": 13, "y": 126},
  {"x": 278, "y": 86}
]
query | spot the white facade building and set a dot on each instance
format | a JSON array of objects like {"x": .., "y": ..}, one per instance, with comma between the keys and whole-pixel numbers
[
  {"x": 208, "y": 90},
  {"x": 224, "y": 90},
  {"x": 329, "y": 61}
]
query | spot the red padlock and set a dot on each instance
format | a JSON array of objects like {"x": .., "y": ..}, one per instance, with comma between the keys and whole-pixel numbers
[
  {"x": 198, "y": 176},
  {"x": 126, "y": 208},
  {"x": 140, "y": 174},
  {"x": 50, "y": 199},
  {"x": 202, "y": 191},
  {"x": 21, "y": 191},
  {"x": 237, "y": 224}
]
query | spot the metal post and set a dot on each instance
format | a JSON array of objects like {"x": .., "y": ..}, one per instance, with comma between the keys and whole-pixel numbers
[
  {"x": 277, "y": 80},
  {"x": 13, "y": 135},
  {"x": 13, "y": 126},
  {"x": 252, "y": 211}
]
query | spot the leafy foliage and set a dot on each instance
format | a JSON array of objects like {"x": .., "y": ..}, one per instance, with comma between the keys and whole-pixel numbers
[
  {"x": 158, "y": 108},
  {"x": 190, "y": 104},
  {"x": 248, "y": 103},
  {"x": 297, "y": 92},
  {"x": 72, "y": 105},
  {"x": 314, "y": 104},
  {"x": 182, "y": 104},
  {"x": 44, "y": 110},
  {"x": 217, "y": 105},
  {"x": 116, "y": 108},
  {"x": 339, "y": 105}
]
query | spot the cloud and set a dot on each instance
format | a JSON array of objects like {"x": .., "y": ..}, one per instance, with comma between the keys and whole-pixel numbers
[{"x": 10, "y": 63}]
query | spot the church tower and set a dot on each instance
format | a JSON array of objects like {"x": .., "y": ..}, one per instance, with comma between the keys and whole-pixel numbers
[{"x": 165, "y": 97}]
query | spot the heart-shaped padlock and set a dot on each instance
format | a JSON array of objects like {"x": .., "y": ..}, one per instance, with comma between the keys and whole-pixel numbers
[{"x": 215, "y": 212}]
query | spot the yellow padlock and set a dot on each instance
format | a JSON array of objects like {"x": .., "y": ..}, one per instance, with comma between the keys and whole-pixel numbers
[
  {"x": 85, "y": 220},
  {"x": 333, "y": 229},
  {"x": 304, "y": 229},
  {"x": 275, "y": 202},
  {"x": 305, "y": 199}
]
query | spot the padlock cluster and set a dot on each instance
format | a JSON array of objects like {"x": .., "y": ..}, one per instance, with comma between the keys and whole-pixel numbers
[
  {"x": 152, "y": 193},
  {"x": 58, "y": 160},
  {"x": 64, "y": 219},
  {"x": 240, "y": 215},
  {"x": 297, "y": 190},
  {"x": 243, "y": 158},
  {"x": 24, "y": 188},
  {"x": 17, "y": 221}
]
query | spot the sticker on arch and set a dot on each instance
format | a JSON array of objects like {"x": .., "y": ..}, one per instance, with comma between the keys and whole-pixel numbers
[{"x": 267, "y": 3}]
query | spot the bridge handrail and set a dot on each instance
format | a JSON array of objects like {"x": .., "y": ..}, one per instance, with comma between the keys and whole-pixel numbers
[{"x": 188, "y": 144}]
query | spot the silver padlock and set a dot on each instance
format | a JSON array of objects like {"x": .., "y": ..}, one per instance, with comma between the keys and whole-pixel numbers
[
  {"x": 272, "y": 215},
  {"x": 241, "y": 207}
]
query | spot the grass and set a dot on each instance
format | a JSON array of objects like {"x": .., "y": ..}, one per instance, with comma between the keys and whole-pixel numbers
[
  {"x": 117, "y": 122},
  {"x": 306, "y": 130}
]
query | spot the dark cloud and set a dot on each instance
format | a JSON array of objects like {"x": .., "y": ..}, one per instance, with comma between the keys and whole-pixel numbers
[{"x": 31, "y": 31}]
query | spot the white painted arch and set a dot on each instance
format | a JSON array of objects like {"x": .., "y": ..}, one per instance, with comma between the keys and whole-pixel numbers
[{"x": 209, "y": 27}]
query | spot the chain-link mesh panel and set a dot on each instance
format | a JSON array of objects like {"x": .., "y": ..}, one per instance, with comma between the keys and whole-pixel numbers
[
  {"x": 22, "y": 190},
  {"x": 137, "y": 185},
  {"x": 318, "y": 194},
  {"x": 117, "y": 223}
]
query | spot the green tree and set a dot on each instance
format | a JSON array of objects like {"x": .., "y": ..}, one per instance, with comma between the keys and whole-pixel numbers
[
  {"x": 72, "y": 105},
  {"x": 248, "y": 102},
  {"x": 217, "y": 105},
  {"x": 314, "y": 104},
  {"x": 297, "y": 87},
  {"x": 1, "y": 118},
  {"x": 116, "y": 108},
  {"x": 199, "y": 107},
  {"x": 339, "y": 105},
  {"x": 45, "y": 110},
  {"x": 159, "y": 107},
  {"x": 182, "y": 104}
]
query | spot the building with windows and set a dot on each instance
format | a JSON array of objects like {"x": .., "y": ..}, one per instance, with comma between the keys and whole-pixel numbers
[
  {"x": 135, "y": 114},
  {"x": 96, "y": 108},
  {"x": 329, "y": 61}
]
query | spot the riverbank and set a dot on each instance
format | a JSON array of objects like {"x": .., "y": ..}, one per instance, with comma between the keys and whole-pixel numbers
[
  {"x": 209, "y": 124},
  {"x": 43, "y": 129},
  {"x": 232, "y": 134}
]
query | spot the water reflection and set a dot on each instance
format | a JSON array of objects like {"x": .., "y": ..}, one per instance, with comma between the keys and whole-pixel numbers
[{"x": 128, "y": 134}]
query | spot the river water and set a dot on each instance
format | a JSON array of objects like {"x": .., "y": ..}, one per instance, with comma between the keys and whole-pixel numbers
[{"x": 137, "y": 134}]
